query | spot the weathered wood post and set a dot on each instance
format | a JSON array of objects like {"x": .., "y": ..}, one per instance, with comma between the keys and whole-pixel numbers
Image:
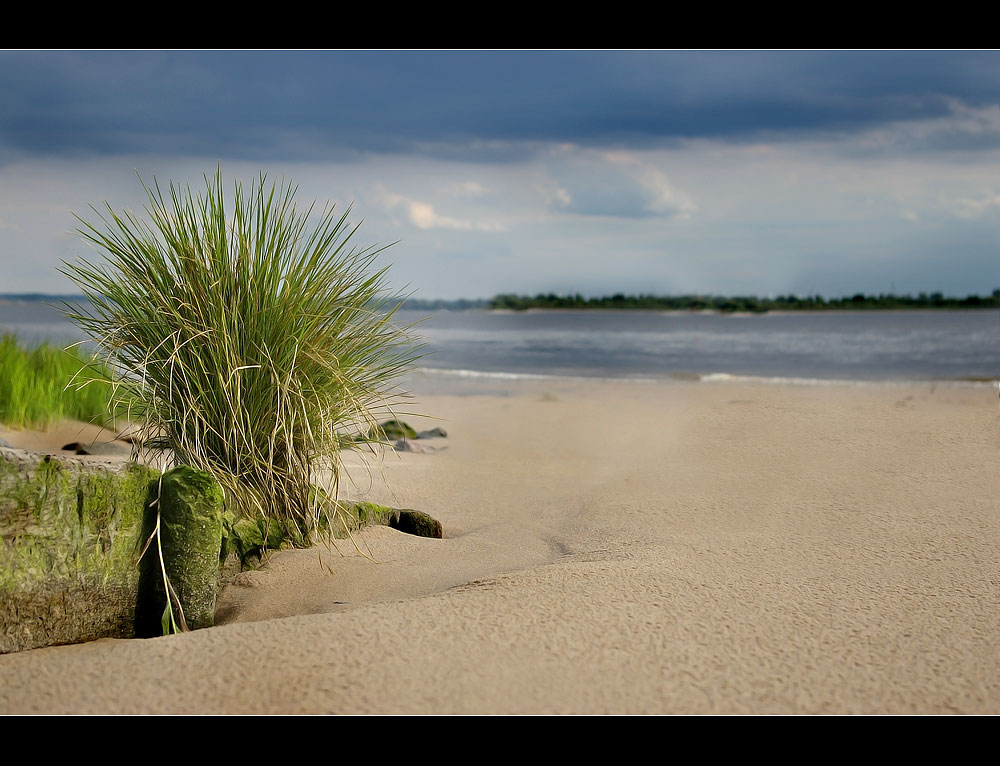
[{"x": 189, "y": 511}]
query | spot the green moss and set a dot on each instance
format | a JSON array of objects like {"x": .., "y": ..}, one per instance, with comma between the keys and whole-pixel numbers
[
  {"x": 69, "y": 535},
  {"x": 189, "y": 510},
  {"x": 63, "y": 522},
  {"x": 417, "y": 523},
  {"x": 350, "y": 517},
  {"x": 248, "y": 539},
  {"x": 112, "y": 507},
  {"x": 395, "y": 429}
]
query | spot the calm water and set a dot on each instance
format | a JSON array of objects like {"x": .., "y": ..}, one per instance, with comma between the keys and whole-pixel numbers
[
  {"x": 865, "y": 346},
  {"x": 884, "y": 345}
]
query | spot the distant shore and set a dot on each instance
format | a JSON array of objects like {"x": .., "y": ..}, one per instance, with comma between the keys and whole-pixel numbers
[
  {"x": 745, "y": 304},
  {"x": 687, "y": 303}
]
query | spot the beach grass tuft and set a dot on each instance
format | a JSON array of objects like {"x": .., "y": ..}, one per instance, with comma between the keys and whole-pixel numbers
[
  {"x": 247, "y": 336},
  {"x": 43, "y": 384}
]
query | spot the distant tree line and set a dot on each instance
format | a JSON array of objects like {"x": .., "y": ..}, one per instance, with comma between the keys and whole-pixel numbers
[
  {"x": 725, "y": 304},
  {"x": 753, "y": 304}
]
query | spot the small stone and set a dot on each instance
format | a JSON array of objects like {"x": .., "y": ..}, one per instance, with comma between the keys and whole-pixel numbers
[
  {"x": 99, "y": 448},
  {"x": 433, "y": 433},
  {"x": 408, "y": 445},
  {"x": 417, "y": 523}
]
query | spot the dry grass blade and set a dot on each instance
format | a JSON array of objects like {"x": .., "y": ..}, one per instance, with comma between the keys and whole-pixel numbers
[{"x": 245, "y": 338}]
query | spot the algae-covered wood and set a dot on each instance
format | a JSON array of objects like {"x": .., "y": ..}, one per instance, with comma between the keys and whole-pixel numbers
[{"x": 69, "y": 540}]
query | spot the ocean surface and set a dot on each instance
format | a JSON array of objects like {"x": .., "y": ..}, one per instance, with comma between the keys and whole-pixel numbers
[
  {"x": 804, "y": 347},
  {"x": 464, "y": 346}
]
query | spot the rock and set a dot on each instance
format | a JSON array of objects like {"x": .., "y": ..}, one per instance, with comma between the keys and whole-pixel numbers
[
  {"x": 408, "y": 445},
  {"x": 361, "y": 514},
  {"x": 416, "y": 523},
  {"x": 356, "y": 515},
  {"x": 397, "y": 429},
  {"x": 190, "y": 514},
  {"x": 248, "y": 538},
  {"x": 433, "y": 433},
  {"x": 109, "y": 449}
]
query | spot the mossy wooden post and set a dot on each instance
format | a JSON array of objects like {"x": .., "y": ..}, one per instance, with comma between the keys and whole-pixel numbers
[
  {"x": 190, "y": 514},
  {"x": 70, "y": 531}
]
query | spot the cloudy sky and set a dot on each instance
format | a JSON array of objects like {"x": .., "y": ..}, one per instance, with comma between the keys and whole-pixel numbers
[{"x": 591, "y": 172}]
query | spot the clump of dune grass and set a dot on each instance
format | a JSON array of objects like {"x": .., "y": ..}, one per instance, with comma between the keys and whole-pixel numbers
[
  {"x": 44, "y": 384},
  {"x": 246, "y": 336}
]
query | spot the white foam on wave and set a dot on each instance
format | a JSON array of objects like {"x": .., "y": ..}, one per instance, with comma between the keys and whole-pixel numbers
[
  {"x": 527, "y": 376},
  {"x": 724, "y": 377}
]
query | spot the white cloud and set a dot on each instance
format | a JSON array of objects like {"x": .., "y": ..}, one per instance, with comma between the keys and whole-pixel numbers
[
  {"x": 471, "y": 189},
  {"x": 553, "y": 196},
  {"x": 616, "y": 184},
  {"x": 964, "y": 128},
  {"x": 424, "y": 216},
  {"x": 976, "y": 207},
  {"x": 811, "y": 216},
  {"x": 664, "y": 198}
]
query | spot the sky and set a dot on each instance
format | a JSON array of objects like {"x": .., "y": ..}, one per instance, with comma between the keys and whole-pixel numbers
[{"x": 486, "y": 172}]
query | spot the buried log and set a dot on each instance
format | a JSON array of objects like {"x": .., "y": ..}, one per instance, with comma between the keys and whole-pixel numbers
[
  {"x": 69, "y": 534},
  {"x": 416, "y": 523},
  {"x": 355, "y": 515}
]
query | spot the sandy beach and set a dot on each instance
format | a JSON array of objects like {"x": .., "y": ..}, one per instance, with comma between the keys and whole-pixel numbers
[{"x": 616, "y": 547}]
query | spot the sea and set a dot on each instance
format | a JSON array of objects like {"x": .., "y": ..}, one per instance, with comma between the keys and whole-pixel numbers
[{"x": 476, "y": 350}]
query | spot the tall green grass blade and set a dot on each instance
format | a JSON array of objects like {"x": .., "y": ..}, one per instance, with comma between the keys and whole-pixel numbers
[
  {"x": 246, "y": 335},
  {"x": 43, "y": 384}
]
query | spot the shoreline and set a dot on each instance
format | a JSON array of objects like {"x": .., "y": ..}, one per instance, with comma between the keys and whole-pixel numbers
[
  {"x": 612, "y": 548},
  {"x": 469, "y": 376}
]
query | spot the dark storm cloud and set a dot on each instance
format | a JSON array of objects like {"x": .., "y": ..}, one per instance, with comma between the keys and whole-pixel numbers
[{"x": 472, "y": 105}]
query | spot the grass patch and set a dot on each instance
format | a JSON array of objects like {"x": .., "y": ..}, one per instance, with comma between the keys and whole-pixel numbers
[
  {"x": 42, "y": 385},
  {"x": 248, "y": 337}
]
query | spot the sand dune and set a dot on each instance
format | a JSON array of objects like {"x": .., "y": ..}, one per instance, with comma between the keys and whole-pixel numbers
[{"x": 618, "y": 548}]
